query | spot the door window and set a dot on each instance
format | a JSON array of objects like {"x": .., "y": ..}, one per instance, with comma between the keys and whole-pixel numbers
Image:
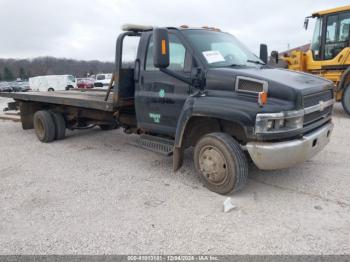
[
  {"x": 337, "y": 34},
  {"x": 316, "y": 40},
  {"x": 331, "y": 29},
  {"x": 177, "y": 55},
  {"x": 344, "y": 27}
]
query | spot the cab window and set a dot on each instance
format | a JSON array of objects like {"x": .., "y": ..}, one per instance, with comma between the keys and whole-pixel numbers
[
  {"x": 344, "y": 27},
  {"x": 337, "y": 34},
  {"x": 71, "y": 78},
  {"x": 177, "y": 55},
  {"x": 100, "y": 77},
  {"x": 316, "y": 40}
]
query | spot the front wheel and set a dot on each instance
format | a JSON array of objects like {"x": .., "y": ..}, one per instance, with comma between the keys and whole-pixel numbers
[
  {"x": 221, "y": 163},
  {"x": 346, "y": 99}
]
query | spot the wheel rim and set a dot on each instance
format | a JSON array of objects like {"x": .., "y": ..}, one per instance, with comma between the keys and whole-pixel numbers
[
  {"x": 213, "y": 165},
  {"x": 39, "y": 128}
]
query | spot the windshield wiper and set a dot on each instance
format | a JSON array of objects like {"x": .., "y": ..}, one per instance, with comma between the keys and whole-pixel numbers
[
  {"x": 256, "y": 62},
  {"x": 235, "y": 65}
]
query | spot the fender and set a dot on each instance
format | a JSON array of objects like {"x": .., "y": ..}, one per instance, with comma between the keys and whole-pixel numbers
[{"x": 225, "y": 108}]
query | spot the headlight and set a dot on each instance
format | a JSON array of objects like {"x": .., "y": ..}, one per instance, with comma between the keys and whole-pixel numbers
[{"x": 279, "y": 122}]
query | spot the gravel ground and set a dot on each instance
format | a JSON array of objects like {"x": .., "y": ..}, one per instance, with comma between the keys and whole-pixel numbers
[{"x": 95, "y": 193}]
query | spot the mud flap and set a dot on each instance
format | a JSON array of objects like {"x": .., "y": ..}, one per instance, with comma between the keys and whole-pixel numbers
[{"x": 178, "y": 156}]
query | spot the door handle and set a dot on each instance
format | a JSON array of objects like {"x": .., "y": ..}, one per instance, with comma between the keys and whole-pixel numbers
[{"x": 137, "y": 70}]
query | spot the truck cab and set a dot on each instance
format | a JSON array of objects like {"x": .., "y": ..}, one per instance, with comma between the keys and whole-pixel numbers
[{"x": 203, "y": 88}]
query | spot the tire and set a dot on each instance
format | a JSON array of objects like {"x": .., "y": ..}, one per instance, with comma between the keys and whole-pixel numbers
[
  {"x": 60, "y": 125},
  {"x": 346, "y": 99},
  {"x": 109, "y": 127},
  {"x": 220, "y": 163},
  {"x": 50, "y": 89},
  {"x": 44, "y": 126}
]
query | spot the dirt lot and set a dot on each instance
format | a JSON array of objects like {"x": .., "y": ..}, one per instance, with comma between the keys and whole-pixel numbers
[{"x": 95, "y": 193}]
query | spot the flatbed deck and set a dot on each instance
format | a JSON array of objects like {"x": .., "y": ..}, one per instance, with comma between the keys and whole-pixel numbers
[{"x": 83, "y": 99}]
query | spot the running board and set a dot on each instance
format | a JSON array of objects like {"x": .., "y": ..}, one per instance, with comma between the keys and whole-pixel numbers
[{"x": 156, "y": 144}]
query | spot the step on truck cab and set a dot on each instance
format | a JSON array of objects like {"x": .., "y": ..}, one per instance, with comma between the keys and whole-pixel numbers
[{"x": 198, "y": 88}]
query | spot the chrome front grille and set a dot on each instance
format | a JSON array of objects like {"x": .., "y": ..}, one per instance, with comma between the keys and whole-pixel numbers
[
  {"x": 316, "y": 116},
  {"x": 313, "y": 105},
  {"x": 314, "y": 99}
]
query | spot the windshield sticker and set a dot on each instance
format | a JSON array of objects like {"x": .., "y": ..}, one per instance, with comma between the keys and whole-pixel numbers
[{"x": 213, "y": 56}]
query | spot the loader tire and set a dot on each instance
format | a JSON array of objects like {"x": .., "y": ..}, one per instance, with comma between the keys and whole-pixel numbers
[
  {"x": 220, "y": 163},
  {"x": 346, "y": 100},
  {"x": 44, "y": 126}
]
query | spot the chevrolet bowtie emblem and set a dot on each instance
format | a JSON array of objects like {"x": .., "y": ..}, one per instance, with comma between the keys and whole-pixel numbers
[{"x": 321, "y": 103}]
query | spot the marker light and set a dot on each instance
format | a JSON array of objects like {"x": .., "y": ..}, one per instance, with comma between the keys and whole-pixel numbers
[
  {"x": 262, "y": 99},
  {"x": 163, "y": 47}
]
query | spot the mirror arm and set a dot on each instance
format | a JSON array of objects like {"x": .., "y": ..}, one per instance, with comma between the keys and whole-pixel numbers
[{"x": 176, "y": 75}]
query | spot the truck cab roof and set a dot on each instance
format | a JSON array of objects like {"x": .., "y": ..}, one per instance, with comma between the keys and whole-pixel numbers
[
  {"x": 332, "y": 10},
  {"x": 143, "y": 28}
]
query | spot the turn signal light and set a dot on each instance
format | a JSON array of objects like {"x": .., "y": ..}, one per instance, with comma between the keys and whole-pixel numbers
[
  {"x": 163, "y": 47},
  {"x": 262, "y": 99}
]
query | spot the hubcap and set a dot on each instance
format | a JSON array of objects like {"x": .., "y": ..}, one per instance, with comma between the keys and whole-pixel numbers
[
  {"x": 212, "y": 165},
  {"x": 39, "y": 128}
]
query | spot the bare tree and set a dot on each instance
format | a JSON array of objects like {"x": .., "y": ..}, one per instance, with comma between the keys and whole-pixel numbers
[{"x": 22, "y": 68}]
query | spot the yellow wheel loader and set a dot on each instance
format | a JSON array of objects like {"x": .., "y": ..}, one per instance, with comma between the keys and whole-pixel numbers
[{"x": 329, "y": 52}]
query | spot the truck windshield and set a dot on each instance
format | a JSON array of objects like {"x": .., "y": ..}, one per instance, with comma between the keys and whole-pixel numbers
[
  {"x": 71, "y": 78},
  {"x": 221, "y": 49}
]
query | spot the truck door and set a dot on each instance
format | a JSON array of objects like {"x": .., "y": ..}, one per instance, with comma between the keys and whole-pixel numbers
[{"x": 159, "y": 97}]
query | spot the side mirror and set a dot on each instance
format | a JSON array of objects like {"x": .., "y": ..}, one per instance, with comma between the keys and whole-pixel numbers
[
  {"x": 263, "y": 53},
  {"x": 306, "y": 23},
  {"x": 274, "y": 56},
  {"x": 160, "y": 48}
]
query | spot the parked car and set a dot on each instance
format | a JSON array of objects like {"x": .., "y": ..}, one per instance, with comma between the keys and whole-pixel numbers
[
  {"x": 5, "y": 87},
  {"x": 85, "y": 83},
  {"x": 52, "y": 83},
  {"x": 102, "y": 80},
  {"x": 19, "y": 86}
]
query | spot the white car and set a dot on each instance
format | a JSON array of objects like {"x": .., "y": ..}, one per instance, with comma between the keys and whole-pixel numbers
[
  {"x": 102, "y": 80},
  {"x": 52, "y": 83}
]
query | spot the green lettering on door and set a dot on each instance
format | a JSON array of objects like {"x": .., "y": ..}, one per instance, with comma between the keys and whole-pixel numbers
[
  {"x": 155, "y": 117},
  {"x": 161, "y": 93}
]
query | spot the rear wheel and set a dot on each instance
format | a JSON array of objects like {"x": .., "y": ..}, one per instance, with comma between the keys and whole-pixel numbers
[
  {"x": 50, "y": 89},
  {"x": 60, "y": 125},
  {"x": 220, "y": 163},
  {"x": 346, "y": 99},
  {"x": 44, "y": 126}
]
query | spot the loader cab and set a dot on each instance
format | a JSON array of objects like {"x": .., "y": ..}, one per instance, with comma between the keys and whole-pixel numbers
[{"x": 331, "y": 35}]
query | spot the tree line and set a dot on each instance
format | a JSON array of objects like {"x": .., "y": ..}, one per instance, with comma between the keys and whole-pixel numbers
[{"x": 11, "y": 69}]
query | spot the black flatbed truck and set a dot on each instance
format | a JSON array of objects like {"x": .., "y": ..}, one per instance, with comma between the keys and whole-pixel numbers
[{"x": 201, "y": 88}]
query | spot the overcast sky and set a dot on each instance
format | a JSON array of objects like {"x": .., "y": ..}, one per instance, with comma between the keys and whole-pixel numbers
[{"x": 87, "y": 29}]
